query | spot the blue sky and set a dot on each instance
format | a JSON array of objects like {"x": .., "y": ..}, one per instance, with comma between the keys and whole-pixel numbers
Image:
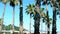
[{"x": 26, "y": 18}]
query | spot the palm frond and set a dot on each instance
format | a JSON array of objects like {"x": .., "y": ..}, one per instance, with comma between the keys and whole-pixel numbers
[
  {"x": 12, "y": 3},
  {"x": 16, "y": 2},
  {"x": 30, "y": 9},
  {"x": 5, "y": 1}
]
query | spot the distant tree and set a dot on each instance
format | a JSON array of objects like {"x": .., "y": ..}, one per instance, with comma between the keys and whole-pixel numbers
[
  {"x": 46, "y": 2},
  {"x": 47, "y": 23},
  {"x": 13, "y": 3},
  {"x": 30, "y": 10},
  {"x": 7, "y": 32}
]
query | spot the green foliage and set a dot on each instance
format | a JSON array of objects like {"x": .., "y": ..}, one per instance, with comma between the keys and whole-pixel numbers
[
  {"x": 7, "y": 32},
  {"x": 45, "y": 2},
  {"x": 13, "y": 2},
  {"x": 16, "y": 2},
  {"x": 45, "y": 20},
  {"x": 58, "y": 0},
  {"x": 16, "y": 28},
  {"x": 3, "y": 27},
  {"x": 0, "y": 19},
  {"x": 5, "y": 1},
  {"x": 30, "y": 9},
  {"x": 42, "y": 14},
  {"x": 25, "y": 30},
  {"x": 9, "y": 27},
  {"x": 56, "y": 3},
  {"x": 58, "y": 11}
]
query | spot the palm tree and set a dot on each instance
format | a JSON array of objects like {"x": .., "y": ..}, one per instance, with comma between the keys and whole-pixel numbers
[
  {"x": 4, "y": 2},
  {"x": 30, "y": 10},
  {"x": 47, "y": 23},
  {"x": 44, "y": 16},
  {"x": 37, "y": 18},
  {"x": 45, "y": 2},
  {"x": 58, "y": 10},
  {"x": 21, "y": 17},
  {"x": 54, "y": 5},
  {"x": 13, "y": 3}
]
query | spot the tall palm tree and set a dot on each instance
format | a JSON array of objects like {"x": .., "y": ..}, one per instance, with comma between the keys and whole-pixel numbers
[
  {"x": 30, "y": 10},
  {"x": 44, "y": 16},
  {"x": 58, "y": 10},
  {"x": 54, "y": 21},
  {"x": 37, "y": 17},
  {"x": 45, "y": 2},
  {"x": 54, "y": 5},
  {"x": 4, "y": 2},
  {"x": 13, "y": 3},
  {"x": 47, "y": 23},
  {"x": 21, "y": 17}
]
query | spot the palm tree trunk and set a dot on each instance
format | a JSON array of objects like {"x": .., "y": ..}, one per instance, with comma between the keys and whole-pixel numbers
[
  {"x": 48, "y": 25},
  {"x": 54, "y": 20},
  {"x": 2, "y": 18},
  {"x": 13, "y": 20},
  {"x": 37, "y": 18},
  {"x": 30, "y": 23},
  {"x": 36, "y": 24},
  {"x": 21, "y": 17}
]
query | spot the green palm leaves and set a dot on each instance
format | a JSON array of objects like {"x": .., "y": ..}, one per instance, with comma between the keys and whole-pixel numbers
[
  {"x": 16, "y": 2},
  {"x": 13, "y": 2},
  {"x": 30, "y": 9},
  {"x": 56, "y": 2},
  {"x": 0, "y": 20},
  {"x": 42, "y": 13},
  {"x": 5, "y": 1},
  {"x": 45, "y": 20},
  {"x": 45, "y": 2}
]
